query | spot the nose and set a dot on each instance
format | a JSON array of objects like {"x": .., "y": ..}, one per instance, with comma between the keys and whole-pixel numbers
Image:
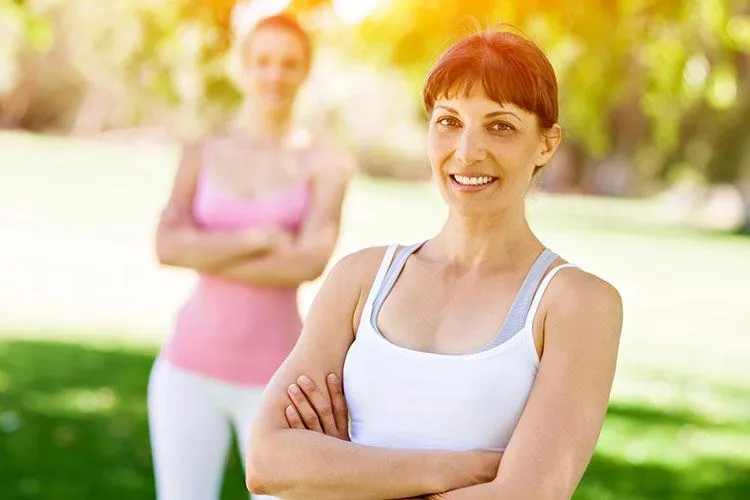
[
  {"x": 470, "y": 148},
  {"x": 275, "y": 75},
  {"x": 272, "y": 74}
]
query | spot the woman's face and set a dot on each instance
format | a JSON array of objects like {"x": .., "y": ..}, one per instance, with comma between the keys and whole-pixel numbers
[
  {"x": 483, "y": 154},
  {"x": 275, "y": 64}
]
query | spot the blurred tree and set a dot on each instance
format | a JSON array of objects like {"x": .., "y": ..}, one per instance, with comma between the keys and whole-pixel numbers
[
  {"x": 23, "y": 34},
  {"x": 110, "y": 64},
  {"x": 122, "y": 64},
  {"x": 642, "y": 81},
  {"x": 652, "y": 91}
]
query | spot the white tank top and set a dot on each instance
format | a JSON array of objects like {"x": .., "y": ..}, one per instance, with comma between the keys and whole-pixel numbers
[{"x": 403, "y": 398}]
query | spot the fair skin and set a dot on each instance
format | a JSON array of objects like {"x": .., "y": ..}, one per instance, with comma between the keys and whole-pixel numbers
[
  {"x": 261, "y": 161},
  {"x": 470, "y": 273}
]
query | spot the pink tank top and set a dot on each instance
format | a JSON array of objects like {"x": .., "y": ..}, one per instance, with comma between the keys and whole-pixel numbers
[{"x": 236, "y": 332}]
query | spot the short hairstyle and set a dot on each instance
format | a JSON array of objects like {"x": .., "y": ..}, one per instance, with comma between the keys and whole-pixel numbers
[
  {"x": 289, "y": 23},
  {"x": 510, "y": 67}
]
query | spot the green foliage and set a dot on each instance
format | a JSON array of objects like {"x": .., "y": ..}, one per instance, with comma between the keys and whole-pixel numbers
[
  {"x": 20, "y": 29},
  {"x": 145, "y": 57},
  {"x": 631, "y": 73},
  {"x": 644, "y": 80}
]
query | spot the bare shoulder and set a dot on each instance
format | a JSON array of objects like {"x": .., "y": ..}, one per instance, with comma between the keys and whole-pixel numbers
[
  {"x": 584, "y": 303},
  {"x": 574, "y": 286},
  {"x": 184, "y": 182},
  {"x": 360, "y": 266},
  {"x": 354, "y": 275},
  {"x": 194, "y": 147},
  {"x": 191, "y": 153}
]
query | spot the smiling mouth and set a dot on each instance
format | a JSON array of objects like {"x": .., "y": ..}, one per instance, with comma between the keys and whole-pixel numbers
[{"x": 472, "y": 182}]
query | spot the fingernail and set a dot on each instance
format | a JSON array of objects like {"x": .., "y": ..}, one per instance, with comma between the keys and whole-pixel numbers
[
  {"x": 289, "y": 409},
  {"x": 303, "y": 380},
  {"x": 293, "y": 389},
  {"x": 333, "y": 378}
]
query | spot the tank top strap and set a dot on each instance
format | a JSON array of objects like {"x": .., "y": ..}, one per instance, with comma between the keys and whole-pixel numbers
[
  {"x": 540, "y": 293},
  {"x": 385, "y": 264},
  {"x": 392, "y": 275},
  {"x": 516, "y": 317},
  {"x": 381, "y": 288}
]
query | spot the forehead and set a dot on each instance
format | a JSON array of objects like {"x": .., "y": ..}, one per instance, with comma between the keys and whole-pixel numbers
[
  {"x": 476, "y": 102},
  {"x": 273, "y": 40}
]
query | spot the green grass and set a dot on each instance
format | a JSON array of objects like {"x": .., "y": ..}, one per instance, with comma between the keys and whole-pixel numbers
[
  {"x": 73, "y": 423},
  {"x": 84, "y": 307}
]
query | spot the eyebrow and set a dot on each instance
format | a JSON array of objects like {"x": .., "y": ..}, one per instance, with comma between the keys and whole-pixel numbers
[{"x": 488, "y": 115}]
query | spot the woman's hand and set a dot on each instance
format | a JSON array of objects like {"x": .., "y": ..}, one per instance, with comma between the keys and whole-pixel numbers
[
  {"x": 314, "y": 410},
  {"x": 267, "y": 238}
]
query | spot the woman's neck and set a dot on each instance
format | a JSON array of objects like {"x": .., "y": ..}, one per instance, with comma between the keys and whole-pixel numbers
[
  {"x": 497, "y": 241},
  {"x": 268, "y": 127}
]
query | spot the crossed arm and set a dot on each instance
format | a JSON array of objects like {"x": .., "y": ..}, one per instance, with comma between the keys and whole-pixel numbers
[
  {"x": 299, "y": 464},
  {"x": 258, "y": 256},
  {"x": 306, "y": 258},
  {"x": 179, "y": 242},
  {"x": 545, "y": 459},
  {"x": 558, "y": 430}
]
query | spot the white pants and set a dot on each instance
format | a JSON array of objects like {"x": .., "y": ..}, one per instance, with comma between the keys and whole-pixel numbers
[{"x": 190, "y": 417}]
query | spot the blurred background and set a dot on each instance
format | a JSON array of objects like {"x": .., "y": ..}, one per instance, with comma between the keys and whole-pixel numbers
[{"x": 650, "y": 190}]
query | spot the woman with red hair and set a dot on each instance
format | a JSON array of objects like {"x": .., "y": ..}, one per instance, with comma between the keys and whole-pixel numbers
[
  {"x": 477, "y": 364},
  {"x": 255, "y": 212}
]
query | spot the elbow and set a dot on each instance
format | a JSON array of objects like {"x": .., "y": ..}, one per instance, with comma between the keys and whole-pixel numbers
[
  {"x": 540, "y": 487},
  {"x": 166, "y": 257},
  {"x": 554, "y": 490},
  {"x": 263, "y": 476},
  {"x": 309, "y": 267},
  {"x": 314, "y": 270},
  {"x": 166, "y": 251},
  {"x": 317, "y": 261},
  {"x": 255, "y": 481},
  {"x": 267, "y": 472},
  {"x": 258, "y": 479}
]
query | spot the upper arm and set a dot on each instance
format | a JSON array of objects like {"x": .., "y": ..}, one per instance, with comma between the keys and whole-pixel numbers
[
  {"x": 327, "y": 334},
  {"x": 178, "y": 209},
  {"x": 560, "y": 425},
  {"x": 329, "y": 177}
]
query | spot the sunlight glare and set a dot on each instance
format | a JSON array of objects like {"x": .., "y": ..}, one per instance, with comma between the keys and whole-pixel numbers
[
  {"x": 246, "y": 14},
  {"x": 355, "y": 11}
]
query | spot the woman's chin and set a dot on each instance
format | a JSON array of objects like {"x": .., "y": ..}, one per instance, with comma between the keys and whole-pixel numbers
[
  {"x": 275, "y": 104},
  {"x": 480, "y": 209}
]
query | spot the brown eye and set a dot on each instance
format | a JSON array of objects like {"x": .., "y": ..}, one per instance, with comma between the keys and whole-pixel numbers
[
  {"x": 447, "y": 121},
  {"x": 502, "y": 127},
  {"x": 290, "y": 64}
]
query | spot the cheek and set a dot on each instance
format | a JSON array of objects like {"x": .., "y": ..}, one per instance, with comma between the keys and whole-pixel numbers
[
  {"x": 439, "y": 146},
  {"x": 294, "y": 78},
  {"x": 515, "y": 154}
]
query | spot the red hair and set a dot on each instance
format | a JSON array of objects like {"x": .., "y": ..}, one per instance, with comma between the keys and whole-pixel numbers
[
  {"x": 288, "y": 23},
  {"x": 511, "y": 68}
]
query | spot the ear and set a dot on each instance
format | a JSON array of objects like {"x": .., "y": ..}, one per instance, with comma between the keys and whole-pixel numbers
[{"x": 551, "y": 139}]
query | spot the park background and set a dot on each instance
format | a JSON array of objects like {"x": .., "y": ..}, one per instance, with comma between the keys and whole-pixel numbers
[{"x": 651, "y": 191}]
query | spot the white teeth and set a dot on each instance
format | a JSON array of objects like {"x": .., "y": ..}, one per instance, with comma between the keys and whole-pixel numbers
[{"x": 472, "y": 181}]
